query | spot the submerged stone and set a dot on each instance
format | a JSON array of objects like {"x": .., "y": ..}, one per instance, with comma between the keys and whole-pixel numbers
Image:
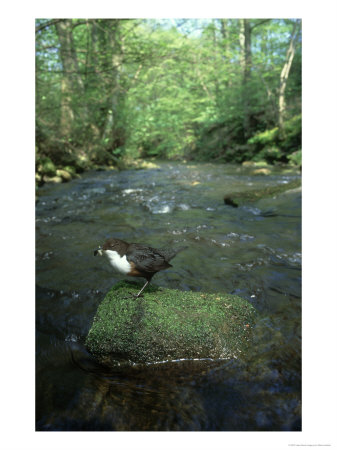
[
  {"x": 167, "y": 324},
  {"x": 64, "y": 174},
  {"x": 55, "y": 179},
  {"x": 252, "y": 195},
  {"x": 262, "y": 171}
]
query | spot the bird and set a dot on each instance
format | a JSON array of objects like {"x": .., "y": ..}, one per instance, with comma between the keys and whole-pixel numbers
[{"x": 137, "y": 260}]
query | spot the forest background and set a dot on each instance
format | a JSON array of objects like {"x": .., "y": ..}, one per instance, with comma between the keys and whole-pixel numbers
[{"x": 111, "y": 91}]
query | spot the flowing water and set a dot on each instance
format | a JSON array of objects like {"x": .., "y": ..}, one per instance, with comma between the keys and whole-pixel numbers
[{"x": 253, "y": 251}]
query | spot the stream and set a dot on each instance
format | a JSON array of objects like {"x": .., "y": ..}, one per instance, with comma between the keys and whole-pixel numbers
[{"x": 253, "y": 251}]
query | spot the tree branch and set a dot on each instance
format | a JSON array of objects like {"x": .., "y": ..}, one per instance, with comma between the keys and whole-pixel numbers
[
  {"x": 47, "y": 24},
  {"x": 259, "y": 23}
]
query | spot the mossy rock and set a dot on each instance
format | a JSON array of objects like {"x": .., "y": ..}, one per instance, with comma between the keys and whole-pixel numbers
[
  {"x": 76, "y": 163},
  {"x": 64, "y": 174},
  {"x": 71, "y": 170},
  {"x": 46, "y": 167},
  {"x": 261, "y": 171},
  {"x": 55, "y": 179},
  {"x": 254, "y": 164},
  {"x": 252, "y": 195},
  {"x": 168, "y": 325}
]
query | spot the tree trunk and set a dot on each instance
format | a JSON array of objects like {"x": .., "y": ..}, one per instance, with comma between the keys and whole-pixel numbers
[
  {"x": 284, "y": 78},
  {"x": 246, "y": 65},
  {"x": 111, "y": 130},
  {"x": 90, "y": 64},
  {"x": 67, "y": 113},
  {"x": 64, "y": 31},
  {"x": 225, "y": 36},
  {"x": 242, "y": 44},
  {"x": 225, "y": 45}
]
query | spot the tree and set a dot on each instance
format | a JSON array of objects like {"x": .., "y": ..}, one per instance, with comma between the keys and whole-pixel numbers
[
  {"x": 285, "y": 75},
  {"x": 107, "y": 89},
  {"x": 111, "y": 131},
  {"x": 69, "y": 66},
  {"x": 246, "y": 63}
]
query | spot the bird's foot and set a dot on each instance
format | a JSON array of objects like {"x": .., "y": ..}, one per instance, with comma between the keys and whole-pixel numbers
[{"x": 134, "y": 296}]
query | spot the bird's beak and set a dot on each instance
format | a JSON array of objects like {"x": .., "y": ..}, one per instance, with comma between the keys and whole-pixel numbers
[{"x": 99, "y": 252}]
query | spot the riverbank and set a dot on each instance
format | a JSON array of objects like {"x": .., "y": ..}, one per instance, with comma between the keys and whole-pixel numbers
[{"x": 48, "y": 172}]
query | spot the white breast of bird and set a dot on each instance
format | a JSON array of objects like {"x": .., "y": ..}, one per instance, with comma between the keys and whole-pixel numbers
[{"x": 119, "y": 264}]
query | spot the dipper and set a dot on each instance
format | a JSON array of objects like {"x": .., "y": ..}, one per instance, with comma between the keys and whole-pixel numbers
[{"x": 137, "y": 260}]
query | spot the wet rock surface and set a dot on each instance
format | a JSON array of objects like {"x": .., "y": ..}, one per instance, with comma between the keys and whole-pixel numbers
[{"x": 168, "y": 324}]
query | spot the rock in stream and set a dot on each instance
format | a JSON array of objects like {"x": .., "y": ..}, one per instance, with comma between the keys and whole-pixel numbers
[{"x": 168, "y": 325}]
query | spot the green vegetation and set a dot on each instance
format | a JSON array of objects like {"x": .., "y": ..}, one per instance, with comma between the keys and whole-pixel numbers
[
  {"x": 167, "y": 324},
  {"x": 111, "y": 91},
  {"x": 271, "y": 146}
]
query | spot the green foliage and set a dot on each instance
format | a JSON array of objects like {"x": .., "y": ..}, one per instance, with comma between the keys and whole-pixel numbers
[
  {"x": 266, "y": 137},
  {"x": 269, "y": 154},
  {"x": 272, "y": 147},
  {"x": 114, "y": 89},
  {"x": 295, "y": 158},
  {"x": 293, "y": 134},
  {"x": 45, "y": 166}
]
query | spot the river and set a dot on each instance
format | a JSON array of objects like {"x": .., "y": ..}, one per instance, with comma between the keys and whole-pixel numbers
[{"x": 253, "y": 251}]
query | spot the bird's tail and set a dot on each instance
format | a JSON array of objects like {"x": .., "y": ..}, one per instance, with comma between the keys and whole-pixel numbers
[{"x": 170, "y": 253}]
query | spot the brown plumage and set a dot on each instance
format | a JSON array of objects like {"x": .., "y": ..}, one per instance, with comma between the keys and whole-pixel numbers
[{"x": 137, "y": 260}]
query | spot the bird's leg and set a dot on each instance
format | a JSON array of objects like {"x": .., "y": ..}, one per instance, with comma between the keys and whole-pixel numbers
[
  {"x": 142, "y": 289},
  {"x": 140, "y": 292}
]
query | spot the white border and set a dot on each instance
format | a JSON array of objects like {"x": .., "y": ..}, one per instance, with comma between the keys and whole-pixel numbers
[{"x": 319, "y": 230}]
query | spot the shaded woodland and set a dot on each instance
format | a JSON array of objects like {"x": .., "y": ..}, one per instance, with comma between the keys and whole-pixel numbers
[{"x": 110, "y": 91}]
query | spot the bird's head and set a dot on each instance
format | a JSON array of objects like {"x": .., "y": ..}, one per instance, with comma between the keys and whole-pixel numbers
[
  {"x": 98, "y": 251},
  {"x": 112, "y": 244}
]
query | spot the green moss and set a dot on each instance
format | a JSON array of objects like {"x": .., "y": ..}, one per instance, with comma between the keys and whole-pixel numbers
[
  {"x": 252, "y": 195},
  {"x": 261, "y": 164},
  {"x": 46, "y": 166},
  {"x": 64, "y": 174},
  {"x": 167, "y": 324},
  {"x": 71, "y": 170}
]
